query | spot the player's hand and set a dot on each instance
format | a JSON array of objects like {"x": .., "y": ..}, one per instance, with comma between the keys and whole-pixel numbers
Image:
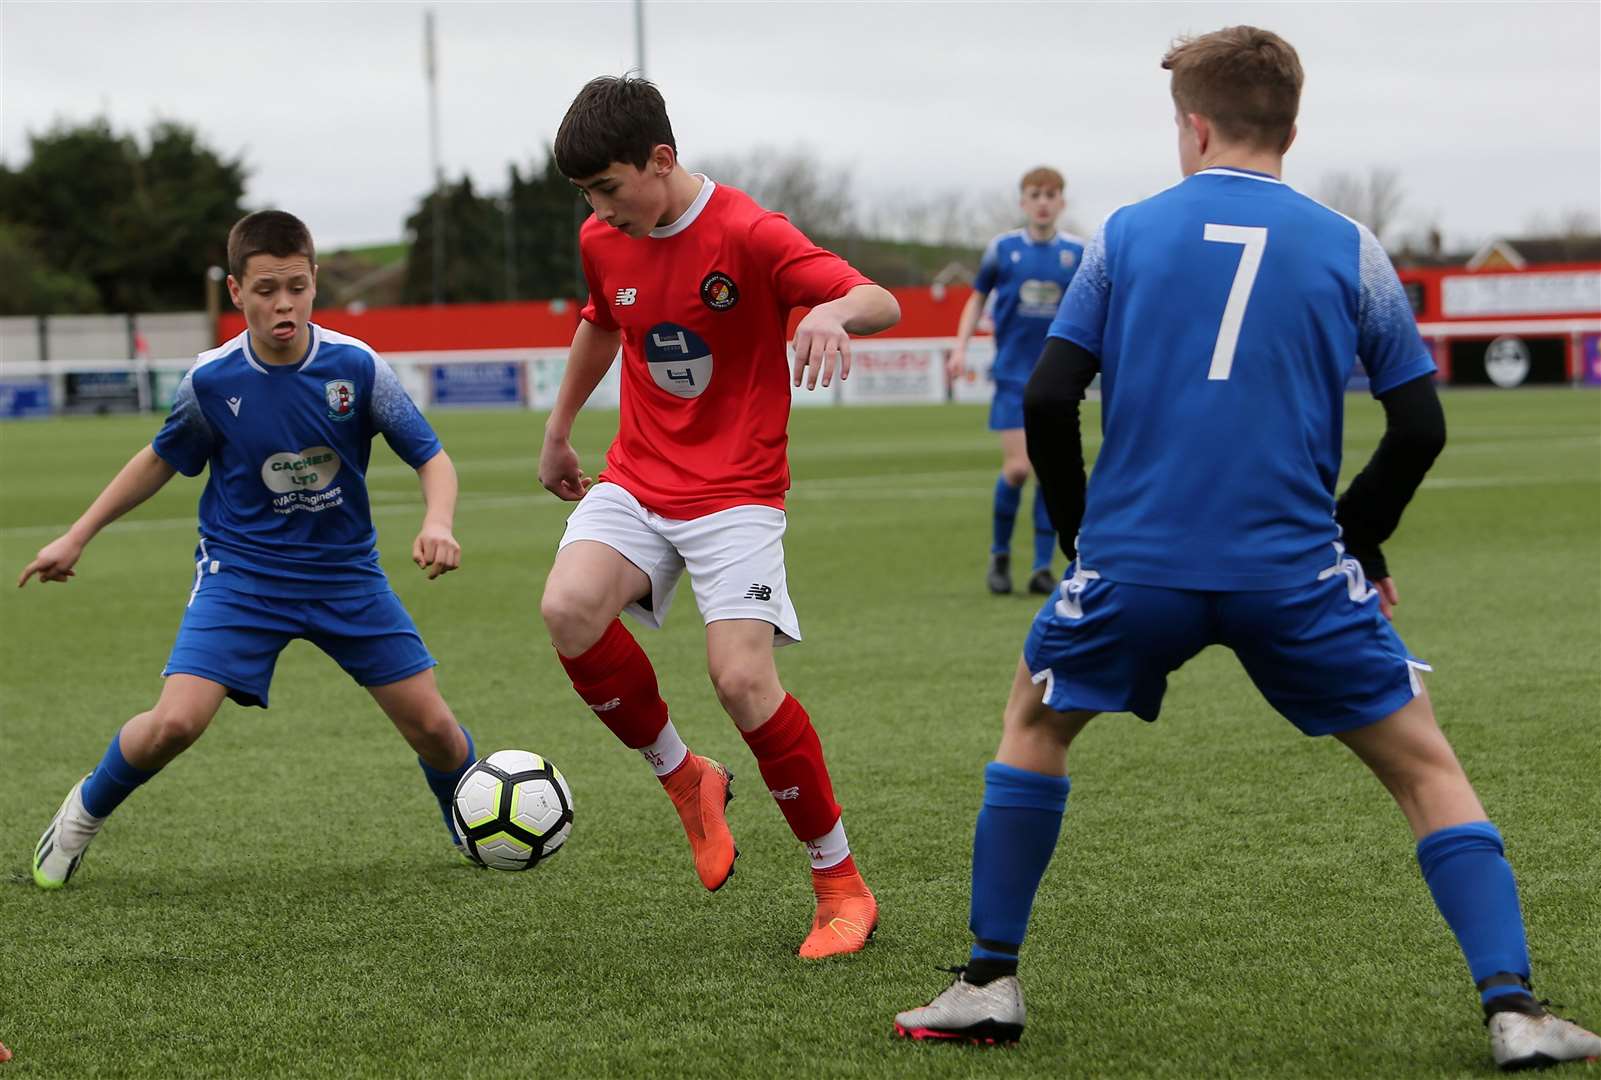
[
  {"x": 1388, "y": 597},
  {"x": 956, "y": 363},
  {"x": 559, "y": 471},
  {"x": 54, "y": 561},
  {"x": 821, "y": 347},
  {"x": 435, "y": 550}
]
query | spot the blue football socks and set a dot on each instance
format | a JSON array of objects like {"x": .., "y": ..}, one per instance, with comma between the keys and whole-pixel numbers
[
  {"x": 1044, "y": 531},
  {"x": 1467, "y": 871},
  {"x": 112, "y": 780},
  {"x": 443, "y": 784},
  {"x": 1007, "y": 499},
  {"x": 1013, "y": 843}
]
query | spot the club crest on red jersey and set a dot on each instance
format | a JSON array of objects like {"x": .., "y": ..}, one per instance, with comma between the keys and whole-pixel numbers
[
  {"x": 341, "y": 394},
  {"x": 718, "y": 291}
]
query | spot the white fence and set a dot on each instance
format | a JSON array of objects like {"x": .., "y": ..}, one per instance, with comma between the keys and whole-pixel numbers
[{"x": 885, "y": 372}]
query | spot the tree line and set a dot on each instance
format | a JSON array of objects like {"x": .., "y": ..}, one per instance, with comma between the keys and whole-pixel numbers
[{"x": 98, "y": 220}]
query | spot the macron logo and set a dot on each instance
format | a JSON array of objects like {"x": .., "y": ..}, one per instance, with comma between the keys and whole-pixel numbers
[
  {"x": 626, "y": 297},
  {"x": 786, "y": 794},
  {"x": 607, "y": 706},
  {"x": 234, "y": 403}
]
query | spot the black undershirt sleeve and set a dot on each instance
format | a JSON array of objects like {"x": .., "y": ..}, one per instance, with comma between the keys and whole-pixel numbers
[
  {"x": 1370, "y": 509},
  {"x": 1055, "y": 443}
]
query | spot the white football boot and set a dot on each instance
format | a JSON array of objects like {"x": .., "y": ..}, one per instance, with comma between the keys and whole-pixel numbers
[
  {"x": 987, "y": 1015},
  {"x": 61, "y": 847},
  {"x": 1523, "y": 1035}
]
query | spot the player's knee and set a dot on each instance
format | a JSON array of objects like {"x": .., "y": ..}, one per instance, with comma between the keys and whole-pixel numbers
[
  {"x": 738, "y": 685},
  {"x": 574, "y": 620},
  {"x": 1015, "y": 472},
  {"x": 175, "y": 728}
]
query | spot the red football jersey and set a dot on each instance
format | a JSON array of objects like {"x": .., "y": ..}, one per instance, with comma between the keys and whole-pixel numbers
[{"x": 703, "y": 305}]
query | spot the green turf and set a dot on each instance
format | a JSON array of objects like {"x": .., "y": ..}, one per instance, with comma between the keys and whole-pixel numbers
[{"x": 1229, "y": 898}]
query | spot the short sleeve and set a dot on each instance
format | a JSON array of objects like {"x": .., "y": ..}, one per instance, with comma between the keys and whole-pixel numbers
[
  {"x": 595, "y": 309},
  {"x": 396, "y": 417},
  {"x": 803, "y": 274},
  {"x": 186, "y": 440},
  {"x": 1081, "y": 318},
  {"x": 1387, "y": 338},
  {"x": 989, "y": 267}
]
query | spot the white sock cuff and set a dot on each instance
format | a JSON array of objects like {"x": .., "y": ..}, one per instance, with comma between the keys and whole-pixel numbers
[
  {"x": 830, "y": 849},
  {"x": 667, "y": 752}
]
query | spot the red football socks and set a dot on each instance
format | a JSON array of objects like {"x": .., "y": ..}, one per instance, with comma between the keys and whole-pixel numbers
[
  {"x": 614, "y": 677},
  {"x": 790, "y": 758}
]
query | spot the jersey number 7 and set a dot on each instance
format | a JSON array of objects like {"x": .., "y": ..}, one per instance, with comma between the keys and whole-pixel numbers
[{"x": 1254, "y": 240}]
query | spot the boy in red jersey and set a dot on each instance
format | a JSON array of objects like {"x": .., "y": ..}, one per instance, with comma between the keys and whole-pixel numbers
[{"x": 697, "y": 282}]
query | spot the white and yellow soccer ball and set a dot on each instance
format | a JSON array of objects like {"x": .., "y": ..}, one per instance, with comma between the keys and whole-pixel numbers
[{"x": 513, "y": 808}]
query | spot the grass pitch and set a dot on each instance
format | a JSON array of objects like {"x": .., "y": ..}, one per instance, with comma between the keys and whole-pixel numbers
[{"x": 1229, "y": 898}]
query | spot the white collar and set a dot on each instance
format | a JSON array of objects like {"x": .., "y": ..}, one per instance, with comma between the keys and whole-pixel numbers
[
  {"x": 687, "y": 218},
  {"x": 1224, "y": 170},
  {"x": 311, "y": 351}
]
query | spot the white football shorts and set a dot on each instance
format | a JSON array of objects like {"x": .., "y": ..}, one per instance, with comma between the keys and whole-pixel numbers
[{"x": 735, "y": 557}]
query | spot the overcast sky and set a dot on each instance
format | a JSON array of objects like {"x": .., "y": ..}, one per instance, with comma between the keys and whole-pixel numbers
[{"x": 1490, "y": 112}]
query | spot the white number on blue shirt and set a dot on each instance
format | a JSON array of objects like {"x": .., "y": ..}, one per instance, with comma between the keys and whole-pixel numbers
[{"x": 1254, "y": 239}]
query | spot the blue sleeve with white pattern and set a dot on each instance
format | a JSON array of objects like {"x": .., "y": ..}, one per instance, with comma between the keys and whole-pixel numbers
[
  {"x": 186, "y": 440},
  {"x": 1081, "y": 318},
  {"x": 1387, "y": 339},
  {"x": 396, "y": 416}
]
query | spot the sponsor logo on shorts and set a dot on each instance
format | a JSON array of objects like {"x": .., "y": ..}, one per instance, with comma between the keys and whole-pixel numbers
[
  {"x": 608, "y": 706},
  {"x": 759, "y": 592},
  {"x": 718, "y": 291},
  {"x": 786, "y": 794}
]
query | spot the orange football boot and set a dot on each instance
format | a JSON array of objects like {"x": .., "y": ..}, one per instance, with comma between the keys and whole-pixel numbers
[
  {"x": 701, "y": 790},
  {"x": 847, "y": 915}
]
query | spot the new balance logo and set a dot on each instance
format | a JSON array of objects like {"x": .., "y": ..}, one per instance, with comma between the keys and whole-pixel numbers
[
  {"x": 234, "y": 403},
  {"x": 626, "y": 297},
  {"x": 786, "y": 794},
  {"x": 607, "y": 706},
  {"x": 759, "y": 592}
]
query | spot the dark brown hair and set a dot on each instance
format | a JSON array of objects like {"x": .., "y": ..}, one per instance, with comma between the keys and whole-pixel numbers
[
  {"x": 1245, "y": 80},
  {"x": 612, "y": 119},
  {"x": 267, "y": 232}
]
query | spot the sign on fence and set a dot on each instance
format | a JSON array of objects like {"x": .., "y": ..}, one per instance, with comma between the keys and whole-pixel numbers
[
  {"x": 479, "y": 385},
  {"x": 22, "y": 398}
]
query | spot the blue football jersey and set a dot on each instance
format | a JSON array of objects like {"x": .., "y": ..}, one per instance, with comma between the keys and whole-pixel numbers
[
  {"x": 1227, "y": 312},
  {"x": 1028, "y": 280},
  {"x": 285, "y": 511}
]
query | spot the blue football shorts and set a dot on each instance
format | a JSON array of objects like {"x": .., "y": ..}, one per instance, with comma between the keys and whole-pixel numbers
[
  {"x": 234, "y": 638},
  {"x": 1006, "y": 407},
  {"x": 1322, "y": 654}
]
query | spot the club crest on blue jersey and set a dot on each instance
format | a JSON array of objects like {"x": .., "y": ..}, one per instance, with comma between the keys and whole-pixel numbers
[
  {"x": 680, "y": 362},
  {"x": 341, "y": 394},
  {"x": 718, "y": 291},
  {"x": 1069, "y": 257}
]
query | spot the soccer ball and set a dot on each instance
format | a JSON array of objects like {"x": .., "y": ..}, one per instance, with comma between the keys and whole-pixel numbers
[{"x": 513, "y": 808}]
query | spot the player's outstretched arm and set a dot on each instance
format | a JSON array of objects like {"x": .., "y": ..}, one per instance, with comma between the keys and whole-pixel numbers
[
  {"x": 956, "y": 365},
  {"x": 435, "y": 549},
  {"x": 823, "y": 338},
  {"x": 141, "y": 478},
  {"x": 590, "y": 357},
  {"x": 1370, "y": 509},
  {"x": 1051, "y": 426}
]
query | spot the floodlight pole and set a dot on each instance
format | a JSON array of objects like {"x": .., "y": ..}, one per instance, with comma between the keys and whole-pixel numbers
[
  {"x": 432, "y": 68},
  {"x": 639, "y": 37}
]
